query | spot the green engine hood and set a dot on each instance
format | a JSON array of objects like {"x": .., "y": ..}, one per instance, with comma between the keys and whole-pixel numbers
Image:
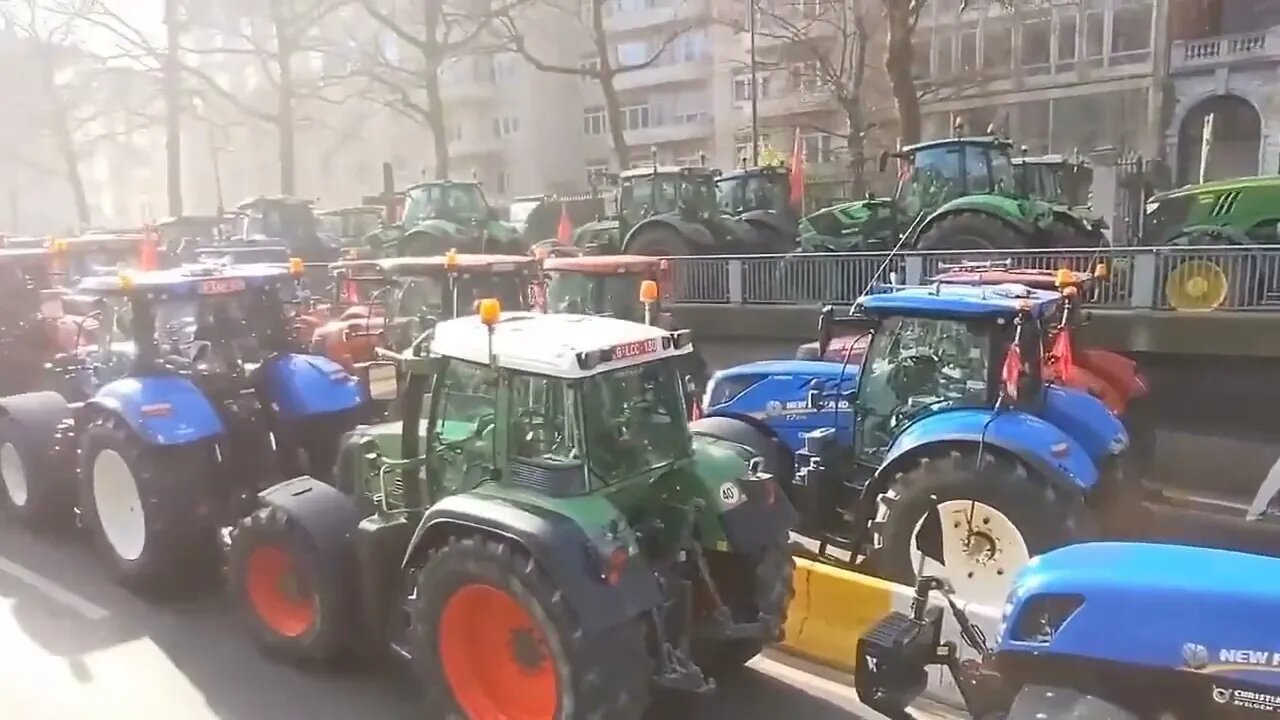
[{"x": 858, "y": 225}]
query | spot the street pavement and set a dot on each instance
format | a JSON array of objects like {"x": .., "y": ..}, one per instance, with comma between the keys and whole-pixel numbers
[{"x": 74, "y": 645}]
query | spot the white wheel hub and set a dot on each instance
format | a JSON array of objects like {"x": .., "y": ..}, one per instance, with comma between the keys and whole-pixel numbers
[
  {"x": 15, "y": 475},
  {"x": 115, "y": 495},
  {"x": 982, "y": 549}
]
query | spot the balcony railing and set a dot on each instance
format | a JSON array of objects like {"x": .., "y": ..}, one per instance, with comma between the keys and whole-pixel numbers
[{"x": 1212, "y": 52}]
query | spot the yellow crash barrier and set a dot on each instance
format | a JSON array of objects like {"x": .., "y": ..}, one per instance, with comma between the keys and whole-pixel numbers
[{"x": 831, "y": 610}]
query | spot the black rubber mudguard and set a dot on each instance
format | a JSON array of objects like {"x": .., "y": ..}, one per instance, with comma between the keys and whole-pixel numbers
[
  {"x": 327, "y": 517},
  {"x": 36, "y": 415},
  {"x": 559, "y": 546}
]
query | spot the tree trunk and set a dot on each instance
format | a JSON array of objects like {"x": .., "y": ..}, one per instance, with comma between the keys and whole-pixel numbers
[
  {"x": 173, "y": 108},
  {"x": 284, "y": 119},
  {"x": 436, "y": 122},
  {"x": 897, "y": 64},
  {"x": 64, "y": 137},
  {"x": 612, "y": 106}
]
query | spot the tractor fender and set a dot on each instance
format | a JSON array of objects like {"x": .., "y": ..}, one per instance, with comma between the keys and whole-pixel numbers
[
  {"x": 161, "y": 409},
  {"x": 1042, "y": 446},
  {"x": 771, "y": 219},
  {"x": 699, "y": 236},
  {"x": 327, "y": 516},
  {"x": 36, "y": 416},
  {"x": 1187, "y": 236},
  {"x": 751, "y": 510},
  {"x": 1087, "y": 419},
  {"x": 434, "y": 226},
  {"x": 304, "y": 385},
  {"x": 559, "y": 545},
  {"x": 1005, "y": 209}
]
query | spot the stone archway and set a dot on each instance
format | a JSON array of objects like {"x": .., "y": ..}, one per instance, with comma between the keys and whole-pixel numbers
[{"x": 1235, "y": 147}]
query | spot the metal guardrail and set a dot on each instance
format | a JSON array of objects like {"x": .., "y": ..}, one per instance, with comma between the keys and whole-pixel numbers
[{"x": 1140, "y": 277}]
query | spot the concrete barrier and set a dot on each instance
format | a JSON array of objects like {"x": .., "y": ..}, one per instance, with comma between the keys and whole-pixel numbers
[{"x": 833, "y": 607}]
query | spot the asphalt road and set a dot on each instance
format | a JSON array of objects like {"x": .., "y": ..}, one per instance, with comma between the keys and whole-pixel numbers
[{"x": 73, "y": 645}]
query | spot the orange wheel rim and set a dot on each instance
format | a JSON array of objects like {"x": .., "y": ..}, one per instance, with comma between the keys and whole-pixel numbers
[
  {"x": 495, "y": 658},
  {"x": 276, "y": 593}
]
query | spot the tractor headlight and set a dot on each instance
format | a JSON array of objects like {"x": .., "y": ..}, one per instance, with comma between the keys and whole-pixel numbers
[
  {"x": 1043, "y": 616},
  {"x": 1118, "y": 444}
]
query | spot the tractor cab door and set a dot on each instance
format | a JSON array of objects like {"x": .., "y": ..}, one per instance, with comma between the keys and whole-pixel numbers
[
  {"x": 931, "y": 177},
  {"x": 913, "y": 368},
  {"x": 462, "y": 432}
]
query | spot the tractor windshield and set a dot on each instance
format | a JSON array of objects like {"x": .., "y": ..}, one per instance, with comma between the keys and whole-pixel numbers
[
  {"x": 930, "y": 178},
  {"x": 94, "y": 259},
  {"x": 916, "y": 366},
  {"x": 647, "y": 195},
  {"x": 457, "y": 202},
  {"x": 748, "y": 192},
  {"x": 217, "y": 334},
  {"x": 282, "y": 221},
  {"x": 423, "y": 297},
  {"x": 614, "y": 295},
  {"x": 634, "y": 421},
  {"x": 698, "y": 193}
]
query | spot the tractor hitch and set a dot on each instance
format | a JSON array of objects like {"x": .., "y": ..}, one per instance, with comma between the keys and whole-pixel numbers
[{"x": 893, "y": 657}]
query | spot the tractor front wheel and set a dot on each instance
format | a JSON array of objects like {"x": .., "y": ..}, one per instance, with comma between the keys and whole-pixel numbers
[
  {"x": 971, "y": 231},
  {"x": 659, "y": 241},
  {"x": 975, "y": 524},
  {"x": 294, "y": 609},
  {"x": 31, "y": 488},
  {"x": 493, "y": 638},
  {"x": 142, "y": 503}
]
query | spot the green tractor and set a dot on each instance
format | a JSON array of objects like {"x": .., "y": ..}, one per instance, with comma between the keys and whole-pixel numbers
[
  {"x": 1223, "y": 213},
  {"x": 542, "y": 535},
  {"x": 350, "y": 225},
  {"x": 953, "y": 194},
  {"x": 1055, "y": 179},
  {"x": 666, "y": 211},
  {"x": 761, "y": 197},
  {"x": 440, "y": 215}
]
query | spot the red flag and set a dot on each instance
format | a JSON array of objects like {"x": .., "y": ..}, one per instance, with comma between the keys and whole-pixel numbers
[
  {"x": 796, "y": 180},
  {"x": 1011, "y": 371},
  {"x": 1063, "y": 358},
  {"x": 564, "y": 231},
  {"x": 147, "y": 251}
]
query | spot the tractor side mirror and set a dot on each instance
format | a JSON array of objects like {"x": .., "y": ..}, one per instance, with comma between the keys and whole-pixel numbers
[
  {"x": 382, "y": 380},
  {"x": 51, "y": 304},
  {"x": 884, "y": 160},
  {"x": 825, "y": 318}
]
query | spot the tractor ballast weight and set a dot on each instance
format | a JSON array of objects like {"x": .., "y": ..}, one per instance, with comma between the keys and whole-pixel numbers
[
  {"x": 950, "y": 399},
  {"x": 201, "y": 403},
  {"x": 1088, "y": 631},
  {"x": 496, "y": 503}
]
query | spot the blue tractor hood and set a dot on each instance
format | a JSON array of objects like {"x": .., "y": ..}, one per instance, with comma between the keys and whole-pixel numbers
[
  {"x": 776, "y": 392},
  {"x": 1174, "y": 607}
]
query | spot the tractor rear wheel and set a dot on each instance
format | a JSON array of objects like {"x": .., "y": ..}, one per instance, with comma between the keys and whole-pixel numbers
[
  {"x": 975, "y": 526},
  {"x": 1203, "y": 282},
  {"x": 971, "y": 231},
  {"x": 493, "y": 638},
  {"x": 142, "y": 503},
  {"x": 659, "y": 241},
  {"x": 31, "y": 488},
  {"x": 294, "y": 608}
]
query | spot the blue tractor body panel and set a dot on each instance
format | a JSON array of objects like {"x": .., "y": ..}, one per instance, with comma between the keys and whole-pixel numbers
[
  {"x": 1086, "y": 419},
  {"x": 1043, "y": 445},
  {"x": 775, "y": 393},
  {"x": 305, "y": 385},
  {"x": 1171, "y": 607},
  {"x": 943, "y": 300},
  {"x": 161, "y": 409}
]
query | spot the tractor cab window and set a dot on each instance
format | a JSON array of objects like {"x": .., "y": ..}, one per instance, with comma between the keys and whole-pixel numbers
[
  {"x": 916, "y": 366},
  {"x": 931, "y": 179},
  {"x": 420, "y": 297},
  {"x": 698, "y": 194},
  {"x": 462, "y": 202},
  {"x": 218, "y": 333},
  {"x": 752, "y": 192},
  {"x": 284, "y": 221},
  {"x": 1001, "y": 167},
  {"x": 613, "y": 295},
  {"x": 977, "y": 169},
  {"x": 544, "y": 426},
  {"x": 648, "y": 195},
  {"x": 462, "y": 436},
  {"x": 634, "y": 421},
  {"x": 474, "y": 288}
]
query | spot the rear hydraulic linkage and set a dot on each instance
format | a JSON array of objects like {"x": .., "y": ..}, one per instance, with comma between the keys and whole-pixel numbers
[{"x": 894, "y": 654}]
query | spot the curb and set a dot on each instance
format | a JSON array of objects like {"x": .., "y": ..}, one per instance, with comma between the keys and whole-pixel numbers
[{"x": 833, "y": 607}]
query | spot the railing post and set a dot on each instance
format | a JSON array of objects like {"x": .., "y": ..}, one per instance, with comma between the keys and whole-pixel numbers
[
  {"x": 735, "y": 270},
  {"x": 1142, "y": 281},
  {"x": 914, "y": 270}
]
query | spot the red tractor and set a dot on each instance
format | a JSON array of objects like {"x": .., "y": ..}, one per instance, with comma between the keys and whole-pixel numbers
[{"x": 389, "y": 302}]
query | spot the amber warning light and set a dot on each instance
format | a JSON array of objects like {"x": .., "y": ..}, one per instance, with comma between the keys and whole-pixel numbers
[
  {"x": 648, "y": 291},
  {"x": 490, "y": 309}
]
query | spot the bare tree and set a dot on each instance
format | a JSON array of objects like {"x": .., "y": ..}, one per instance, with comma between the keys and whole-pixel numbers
[
  {"x": 436, "y": 31},
  {"x": 603, "y": 67}
]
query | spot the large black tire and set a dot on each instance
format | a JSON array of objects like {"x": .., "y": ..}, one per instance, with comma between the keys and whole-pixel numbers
[
  {"x": 659, "y": 241},
  {"x": 425, "y": 244},
  {"x": 971, "y": 231},
  {"x": 605, "y": 674},
  {"x": 1045, "y": 516},
  {"x": 296, "y": 603},
  {"x": 776, "y": 457},
  {"x": 35, "y": 489},
  {"x": 168, "y": 486},
  {"x": 1034, "y": 702},
  {"x": 772, "y": 240},
  {"x": 752, "y": 588},
  {"x": 1067, "y": 234}
]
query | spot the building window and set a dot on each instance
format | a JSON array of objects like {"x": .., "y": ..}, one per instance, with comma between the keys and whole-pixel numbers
[
  {"x": 504, "y": 182},
  {"x": 997, "y": 49},
  {"x": 632, "y": 53},
  {"x": 922, "y": 50},
  {"x": 506, "y": 127},
  {"x": 596, "y": 170},
  {"x": 742, "y": 86},
  {"x": 968, "y": 50},
  {"x": 593, "y": 121},
  {"x": 1067, "y": 40},
  {"x": 817, "y": 148},
  {"x": 591, "y": 64},
  {"x": 944, "y": 55},
  {"x": 1036, "y": 51},
  {"x": 1131, "y": 34},
  {"x": 689, "y": 161},
  {"x": 1094, "y": 28},
  {"x": 690, "y": 46},
  {"x": 635, "y": 117},
  {"x": 805, "y": 77}
]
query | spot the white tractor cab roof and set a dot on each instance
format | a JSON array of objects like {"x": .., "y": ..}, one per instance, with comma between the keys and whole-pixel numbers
[{"x": 557, "y": 345}]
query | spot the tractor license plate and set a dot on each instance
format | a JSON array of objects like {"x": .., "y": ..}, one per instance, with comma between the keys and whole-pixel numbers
[
  {"x": 635, "y": 349},
  {"x": 220, "y": 286}
]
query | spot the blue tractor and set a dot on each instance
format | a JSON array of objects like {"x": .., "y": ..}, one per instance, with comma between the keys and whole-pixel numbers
[
  {"x": 194, "y": 399},
  {"x": 949, "y": 403},
  {"x": 1106, "y": 630}
]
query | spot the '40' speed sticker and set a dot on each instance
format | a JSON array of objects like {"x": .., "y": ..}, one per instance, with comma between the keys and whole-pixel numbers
[{"x": 731, "y": 494}]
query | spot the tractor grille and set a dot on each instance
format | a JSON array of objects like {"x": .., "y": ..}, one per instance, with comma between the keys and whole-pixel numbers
[{"x": 554, "y": 478}]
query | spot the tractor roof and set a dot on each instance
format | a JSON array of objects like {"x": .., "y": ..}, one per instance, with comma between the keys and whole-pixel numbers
[
  {"x": 1271, "y": 182},
  {"x": 241, "y": 254},
  {"x": 603, "y": 264},
  {"x": 666, "y": 170},
  {"x": 21, "y": 255},
  {"x": 1031, "y": 277},
  {"x": 1051, "y": 159},
  {"x": 26, "y": 242},
  {"x": 435, "y": 265},
  {"x": 948, "y": 300},
  {"x": 427, "y": 183},
  {"x": 189, "y": 280},
  {"x": 273, "y": 200},
  {"x": 194, "y": 220},
  {"x": 943, "y": 142},
  {"x": 351, "y": 210},
  {"x": 557, "y": 344},
  {"x": 761, "y": 170}
]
